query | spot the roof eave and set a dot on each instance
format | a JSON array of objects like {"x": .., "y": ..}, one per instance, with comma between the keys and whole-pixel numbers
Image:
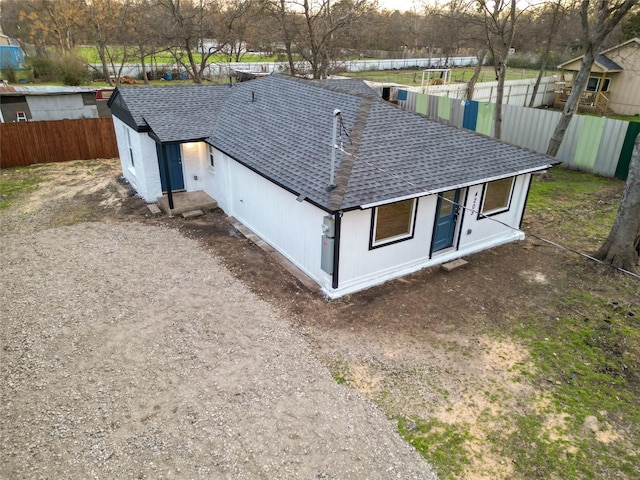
[{"x": 461, "y": 185}]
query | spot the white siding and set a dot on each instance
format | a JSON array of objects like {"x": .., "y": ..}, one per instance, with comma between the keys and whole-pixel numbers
[
  {"x": 361, "y": 267},
  {"x": 194, "y": 166},
  {"x": 143, "y": 174},
  {"x": 291, "y": 227},
  {"x": 274, "y": 214},
  {"x": 294, "y": 228}
]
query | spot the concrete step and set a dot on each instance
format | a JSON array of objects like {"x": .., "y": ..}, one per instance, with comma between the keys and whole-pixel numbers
[
  {"x": 192, "y": 214},
  {"x": 153, "y": 208},
  {"x": 186, "y": 202},
  {"x": 457, "y": 263}
]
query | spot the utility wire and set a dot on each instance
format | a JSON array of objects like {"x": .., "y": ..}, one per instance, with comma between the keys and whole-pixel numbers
[{"x": 538, "y": 237}]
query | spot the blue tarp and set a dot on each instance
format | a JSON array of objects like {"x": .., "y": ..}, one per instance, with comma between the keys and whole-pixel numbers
[{"x": 12, "y": 56}]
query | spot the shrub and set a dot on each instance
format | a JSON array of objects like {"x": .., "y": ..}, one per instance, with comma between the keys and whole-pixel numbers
[
  {"x": 44, "y": 68},
  {"x": 8, "y": 74},
  {"x": 68, "y": 69},
  {"x": 74, "y": 71}
]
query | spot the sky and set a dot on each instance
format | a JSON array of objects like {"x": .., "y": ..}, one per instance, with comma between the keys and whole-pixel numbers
[{"x": 400, "y": 4}]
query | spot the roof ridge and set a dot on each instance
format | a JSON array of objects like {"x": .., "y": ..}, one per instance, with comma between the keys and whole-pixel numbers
[
  {"x": 323, "y": 83},
  {"x": 343, "y": 175}
]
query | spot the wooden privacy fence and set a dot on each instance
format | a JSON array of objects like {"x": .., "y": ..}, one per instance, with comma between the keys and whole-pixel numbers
[
  {"x": 28, "y": 143},
  {"x": 594, "y": 144}
]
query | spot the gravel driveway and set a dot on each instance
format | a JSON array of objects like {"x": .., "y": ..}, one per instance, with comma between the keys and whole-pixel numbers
[{"x": 130, "y": 352}]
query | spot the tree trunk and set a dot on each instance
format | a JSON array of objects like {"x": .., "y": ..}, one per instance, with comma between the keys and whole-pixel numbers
[
  {"x": 471, "y": 86},
  {"x": 195, "y": 71},
  {"x": 607, "y": 15},
  {"x": 536, "y": 86},
  {"x": 105, "y": 64},
  {"x": 144, "y": 68},
  {"x": 497, "y": 119},
  {"x": 292, "y": 65},
  {"x": 555, "y": 18},
  {"x": 622, "y": 248},
  {"x": 284, "y": 25},
  {"x": 573, "y": 101}
]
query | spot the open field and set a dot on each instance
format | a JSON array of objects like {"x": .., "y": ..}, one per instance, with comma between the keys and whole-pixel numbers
[
  {"x": 90, "y": 55},
  {"x": 523, "y": 364},
  {"x": 459, "y": 75}
]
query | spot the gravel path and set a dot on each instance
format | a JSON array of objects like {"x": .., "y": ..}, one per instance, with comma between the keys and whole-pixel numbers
[{"x": 130, "y": 352}]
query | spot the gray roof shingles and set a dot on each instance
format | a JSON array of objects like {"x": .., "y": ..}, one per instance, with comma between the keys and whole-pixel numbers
[
  {"x": 607, "y": 63},
  {"x": 176, "y": 113},
  {"x": 281, "y": 127}
]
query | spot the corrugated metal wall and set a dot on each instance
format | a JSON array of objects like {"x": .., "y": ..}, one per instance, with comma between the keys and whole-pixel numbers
[{"x": 593, "y": 144}]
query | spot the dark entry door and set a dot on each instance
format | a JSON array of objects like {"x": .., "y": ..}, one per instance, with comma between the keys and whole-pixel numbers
[
  {"x": 175, "y": 166},
  {"x": 446, "y": 216}
]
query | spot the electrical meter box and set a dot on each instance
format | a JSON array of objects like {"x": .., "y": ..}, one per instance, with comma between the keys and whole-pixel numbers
[
  {"x": 326, "y": 255},
  {"x": 329, "y": 226}
]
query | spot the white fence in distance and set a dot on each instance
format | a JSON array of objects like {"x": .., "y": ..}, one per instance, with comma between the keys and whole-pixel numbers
[
  {"x": 516, "y": 92},
  {"x": 134, "y": 70}
]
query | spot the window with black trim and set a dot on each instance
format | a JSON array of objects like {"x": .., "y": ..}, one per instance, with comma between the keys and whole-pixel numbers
[
  {"x": 593, "y": 84},
  {"x": 497, "y": 196},
  {"x": 130, "y": 147},
  {"x": 393, "y": 222},
  {"x": 212, "y": 162}
]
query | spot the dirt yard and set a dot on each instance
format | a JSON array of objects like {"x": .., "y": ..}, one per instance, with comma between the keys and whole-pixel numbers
[{"x": 158, "y": 347}]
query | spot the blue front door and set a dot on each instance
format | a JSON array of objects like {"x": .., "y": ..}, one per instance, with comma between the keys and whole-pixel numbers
[
  {"x": 446, "y": 216},
  {"x": 175, "y": 166}
]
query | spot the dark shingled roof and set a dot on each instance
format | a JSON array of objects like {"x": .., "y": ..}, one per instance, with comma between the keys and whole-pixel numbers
[
  {"x": 281, "y": 127},
  {"x": 606, "y": 63},
  {"x": 176, "y": 113}
]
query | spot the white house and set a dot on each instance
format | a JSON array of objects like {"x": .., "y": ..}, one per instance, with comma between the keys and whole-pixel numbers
[{"x": 406, "y": 193}]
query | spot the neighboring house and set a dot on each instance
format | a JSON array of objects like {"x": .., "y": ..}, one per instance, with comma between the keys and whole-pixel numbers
[
  {"x": 408, "y": 192},
  {"x": 52, "y": 103},
  {"x": 11, "y": 55},
  {"x": 614, "y": 81}
]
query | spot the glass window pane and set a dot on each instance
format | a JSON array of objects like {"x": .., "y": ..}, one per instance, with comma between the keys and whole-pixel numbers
[
  {"x": 497, "y": 194},
  {"x": 394, "y": 220},
  {"x": 446, "y": 206}
]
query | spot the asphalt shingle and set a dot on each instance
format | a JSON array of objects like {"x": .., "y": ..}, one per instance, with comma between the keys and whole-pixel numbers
[{"x": 282, "y": 128}]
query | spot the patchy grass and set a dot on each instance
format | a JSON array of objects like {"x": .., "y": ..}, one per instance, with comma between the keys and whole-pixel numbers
[
  {"x": 12, "y": 187},
  {"x": 586, "y": 371},
  {"x": 340, "y": 372},
  {"x": 444, "y": 445},
  {"x": 581, "y": 417},
  {"x": 585, "y": 350},
  {"x": 573, "y": 207}
]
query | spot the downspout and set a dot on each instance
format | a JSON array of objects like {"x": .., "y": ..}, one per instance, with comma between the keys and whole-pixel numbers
[
  {"x": 165, "y": 165},
  {"x": 336, "y": 249}
]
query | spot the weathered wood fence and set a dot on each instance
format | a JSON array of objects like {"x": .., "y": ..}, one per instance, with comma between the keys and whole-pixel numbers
[{"x": 28, "y": 143}]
